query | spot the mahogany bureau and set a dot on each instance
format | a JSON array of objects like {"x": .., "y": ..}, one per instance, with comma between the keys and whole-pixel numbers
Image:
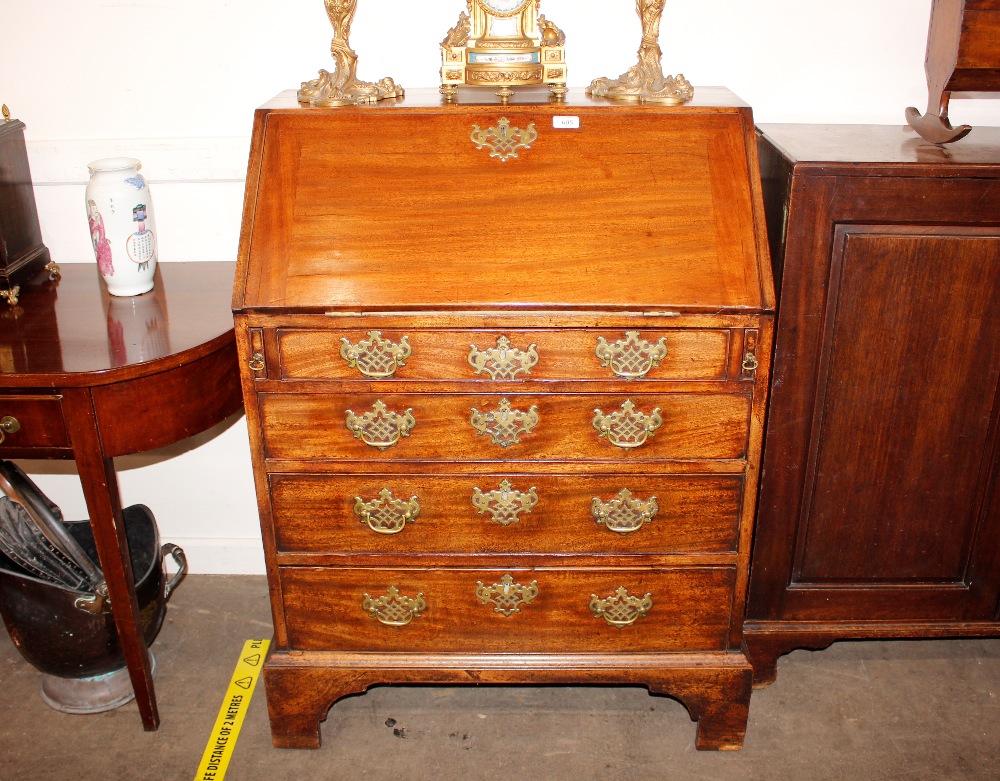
[{"x": 505, "y": 369}]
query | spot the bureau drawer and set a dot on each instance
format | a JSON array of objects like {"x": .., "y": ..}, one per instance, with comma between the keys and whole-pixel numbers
[
  {"x": 28, "y": 421},
  {"x": 487, "y": 356},
  {"x": 506, "y": 513},
  {"x": 557, "y": 427},
  {"x": 487, "y": 610}
]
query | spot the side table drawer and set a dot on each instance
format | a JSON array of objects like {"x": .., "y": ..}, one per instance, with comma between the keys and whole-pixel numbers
[
  {"x": 508, "y": 610},
  {"x": 28, "y": 421},
  {"x": 506, "y": 512}
]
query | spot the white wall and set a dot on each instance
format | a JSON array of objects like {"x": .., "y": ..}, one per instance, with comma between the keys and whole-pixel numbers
[{"x": 175, "y": 82}]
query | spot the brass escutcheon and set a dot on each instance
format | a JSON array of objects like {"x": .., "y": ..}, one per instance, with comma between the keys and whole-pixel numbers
[
  {"x": 504, "y": 504},
  {"x": 385, "y": 514},
  {"x": 381, "y": 428},
  {"x": 506, "y": 596},
  {"x": 503, "y": 362},
  {"x": 621, "y": 609},
  {"x": 393, "y": 609},
  {"x": 376, "y": 357},
  {"x": 627, "y": 428},
  {"x": 505, "y": 425},
  {"x": 8, "y": 425},
  {"x": 630, "y": 357},
  {"x": 625, "y": 513},
  {"x": 502, "y": 140}
]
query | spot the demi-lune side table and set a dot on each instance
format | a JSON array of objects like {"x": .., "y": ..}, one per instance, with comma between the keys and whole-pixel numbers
[{"x": 88, "y": 376}]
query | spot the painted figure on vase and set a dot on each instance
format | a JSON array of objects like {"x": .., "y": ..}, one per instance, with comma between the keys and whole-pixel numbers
[{"x": 102, "y": 247}]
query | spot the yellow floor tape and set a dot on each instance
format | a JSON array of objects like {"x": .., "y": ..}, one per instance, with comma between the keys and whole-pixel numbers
[{"x": 233, "y": 711}]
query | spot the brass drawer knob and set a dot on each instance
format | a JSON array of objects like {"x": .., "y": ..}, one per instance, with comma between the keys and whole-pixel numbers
[
  {"x": 381, "y": 428},
  {"x": 376, "y": 357},
  {"x": 625, "y": 513},
  {"x": 8, "y": 425},
  {"x": 627, "y": 428},
  {"x": 385, "y": 514},
  {"x": 621, "y": 608},
  {"x": 505, "y": 425},
  {"x": 505, "y": 504},
  {"x": 503, "y": 362},
  {"x": 506, "y": 596},
  {"x": 394, "y": 609},
  {"x": 630, "y": 357}
]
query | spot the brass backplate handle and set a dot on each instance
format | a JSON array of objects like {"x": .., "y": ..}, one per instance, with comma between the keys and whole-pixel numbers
[
  {"x": 394, "y": 609},
  {"x": 621, "y": 609},
  {"x": 625, "y": 513},
  {"x": 631, "y": 357},
  {"x": 627, "y": 427},
  {"x": 385, "y": 514},
  {"x": 507, "y": 597},
  {"x": 380, "y": 428},
  {"x": 376, "y": 357},
  {"x": 8, "y": 425}
]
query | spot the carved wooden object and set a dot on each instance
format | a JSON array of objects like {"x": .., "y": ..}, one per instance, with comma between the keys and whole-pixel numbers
[{"x": 963, "y": 55}]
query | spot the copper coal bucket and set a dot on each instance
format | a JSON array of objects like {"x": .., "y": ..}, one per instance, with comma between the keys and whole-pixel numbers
[{"x": 77, "y": 651}]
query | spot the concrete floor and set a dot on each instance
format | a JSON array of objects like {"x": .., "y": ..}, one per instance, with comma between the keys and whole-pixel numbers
[{"x": 898, "y": 711}]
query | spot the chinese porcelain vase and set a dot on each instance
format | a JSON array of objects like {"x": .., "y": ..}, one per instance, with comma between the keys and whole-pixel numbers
[{"x": 122, "y": 228}]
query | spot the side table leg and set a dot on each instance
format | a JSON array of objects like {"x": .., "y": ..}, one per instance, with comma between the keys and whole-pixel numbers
[{"x": 100, "y": 488}]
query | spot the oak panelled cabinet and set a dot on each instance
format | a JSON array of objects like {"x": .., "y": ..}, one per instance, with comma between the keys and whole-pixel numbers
[
  {"x": 505, "y": 369},
  {"x": 879, "y": 509}
]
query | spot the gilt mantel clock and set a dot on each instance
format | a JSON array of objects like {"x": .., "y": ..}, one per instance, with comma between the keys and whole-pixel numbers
[{"x": 503, "y": 43}]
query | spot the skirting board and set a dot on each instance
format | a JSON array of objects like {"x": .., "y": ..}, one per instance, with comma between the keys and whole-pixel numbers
[{"x": 221, "y": 555}]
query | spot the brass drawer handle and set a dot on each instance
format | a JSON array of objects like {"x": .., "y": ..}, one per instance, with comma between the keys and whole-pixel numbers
[
  {"x": 627, "y": 428},
  {"x": 393, "y": 609},
  {"x": 381, "y": 428},
  {"x": 256, "y": 362},
  {"x": 8, "y": 425},
  {"x": 630, "y": 357},
  {"x": 621, "y": 608},
  {"x": 502, "y": 140},
  {"x": 376, "y": 357},
  {"x": 503, "y": 362},
  {"x": 506, "y": 596},
  {"x": 505, "y": 425},
  {"x": 385, "y": 514},
  {"x": 625, "y": 513},
  {"x": 504, "y": 504}
]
